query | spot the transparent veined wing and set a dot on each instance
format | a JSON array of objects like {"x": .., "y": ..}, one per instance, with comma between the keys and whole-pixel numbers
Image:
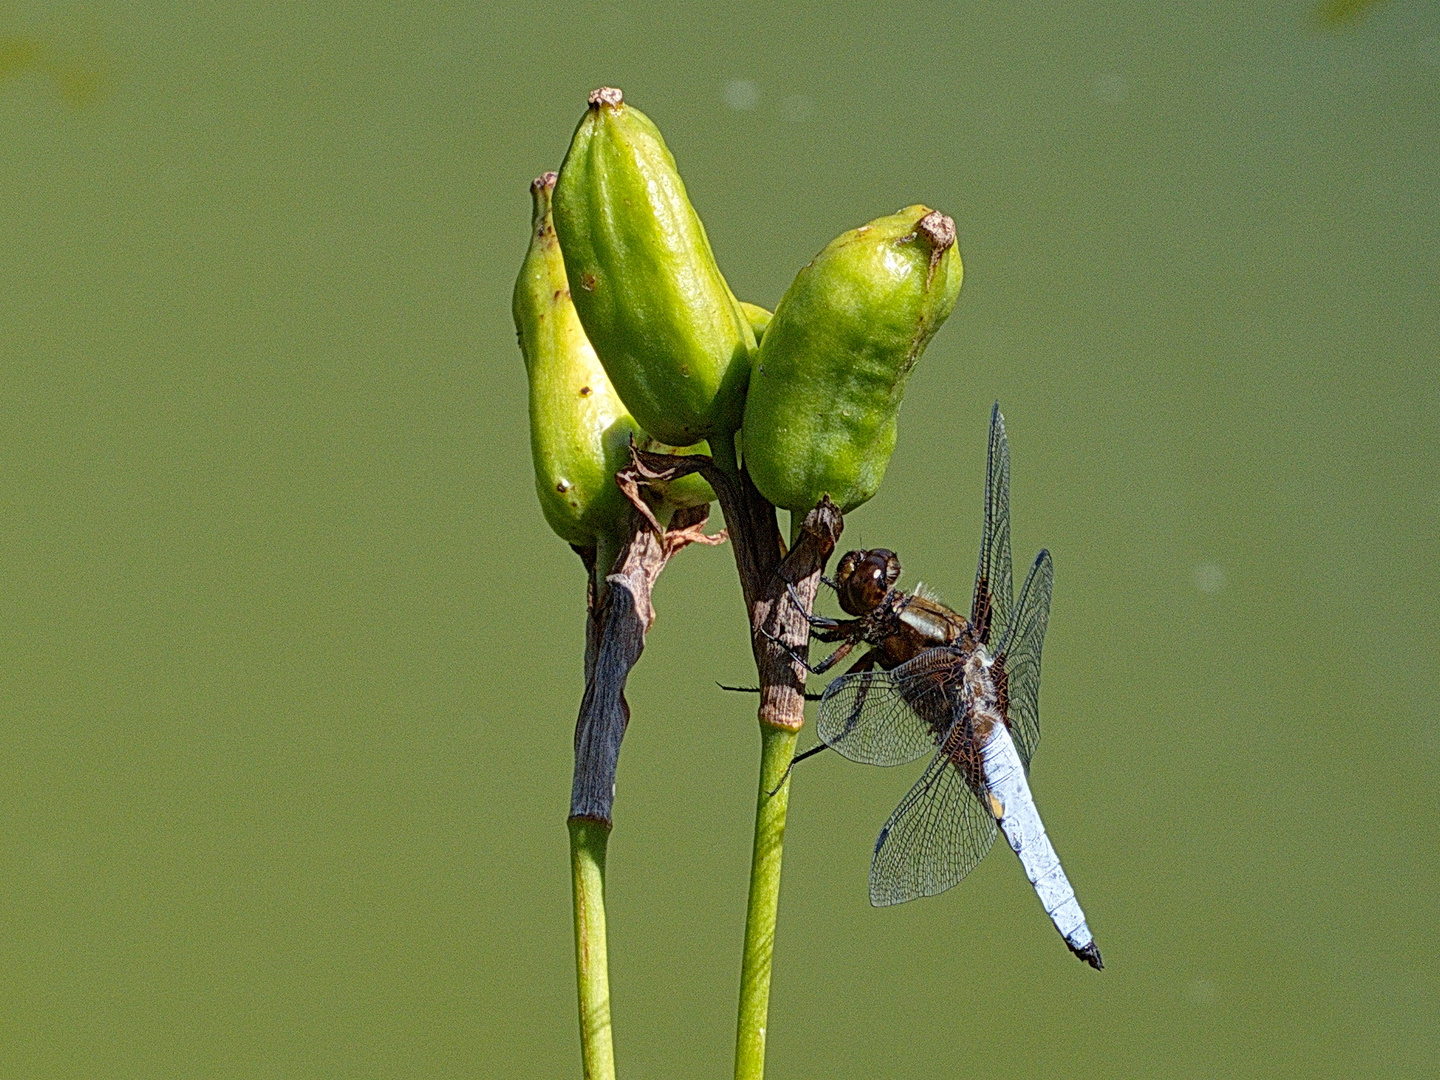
[
  {"x": 936, "y": 836},
  {"x": 1018, "y": 659},
  {"x": 990, "y": 608},
  {"x": 891, "y": 717}
]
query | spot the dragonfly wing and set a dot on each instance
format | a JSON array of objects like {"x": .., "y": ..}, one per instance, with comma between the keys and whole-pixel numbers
[
  {"x": 1019, "y": 657},
  {"x": 937, "y": 835},
  {"x": 891, "y": 717},
  {"x": 990, "y": 608}
]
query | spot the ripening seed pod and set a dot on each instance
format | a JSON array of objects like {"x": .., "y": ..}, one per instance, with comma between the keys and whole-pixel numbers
[
  {"x": 650, "y": 296},
  {"x": 579, "y": 429},
  {"x": 828, "y": 377}
]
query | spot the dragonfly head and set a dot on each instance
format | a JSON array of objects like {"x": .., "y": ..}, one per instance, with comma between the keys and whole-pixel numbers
[{"x": 864, "y": 578}]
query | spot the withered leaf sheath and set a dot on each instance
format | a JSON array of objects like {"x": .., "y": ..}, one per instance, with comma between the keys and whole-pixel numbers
[
  {"x": 579, "y": 429},
  {"x": 830, "y": 371},
  {"x": 644, "y": 280}
]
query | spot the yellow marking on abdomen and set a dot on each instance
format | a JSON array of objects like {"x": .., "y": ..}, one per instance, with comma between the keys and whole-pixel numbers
[{"x": 997, "y": 808}]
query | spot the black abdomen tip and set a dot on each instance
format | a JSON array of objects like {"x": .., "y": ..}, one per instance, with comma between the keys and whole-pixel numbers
[{"x": 1091, "y": 955}]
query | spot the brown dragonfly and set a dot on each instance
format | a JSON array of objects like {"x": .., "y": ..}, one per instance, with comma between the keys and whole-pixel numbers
[{"x": 965, "y": 690}]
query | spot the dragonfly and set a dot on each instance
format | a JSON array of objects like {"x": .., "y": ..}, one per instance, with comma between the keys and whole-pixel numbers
[{"x": 964, "y": 690}]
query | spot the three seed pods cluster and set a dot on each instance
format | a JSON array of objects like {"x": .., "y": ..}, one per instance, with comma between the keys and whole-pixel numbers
[{"x": 628, "y": 328}]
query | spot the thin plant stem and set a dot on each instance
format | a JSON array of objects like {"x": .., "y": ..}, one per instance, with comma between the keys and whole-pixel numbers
[
  {"x": 619, "y": 612},
  {"x": 779, "y": 588},
  {"x": 777, "y": 747},
  {"x": 722, "y": 451},
  {"x": 588, "y": 840}
]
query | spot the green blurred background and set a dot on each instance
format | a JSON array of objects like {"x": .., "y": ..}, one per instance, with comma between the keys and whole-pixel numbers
[{"x": 289, "y": 661}]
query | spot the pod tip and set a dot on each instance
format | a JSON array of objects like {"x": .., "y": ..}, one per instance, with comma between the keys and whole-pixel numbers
[
  {"x": 544, "y": 182},
  {"x": 606, "y": 95},
  {"x": 938, "y": 228}
]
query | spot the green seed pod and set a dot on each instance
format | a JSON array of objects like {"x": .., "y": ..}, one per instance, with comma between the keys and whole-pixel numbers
[
  {"x": 758, "y": 318},
  {"x": 579, "y": 429},
  {"x": 830, "y": 372},
  {"x": 653, "y": 303}
]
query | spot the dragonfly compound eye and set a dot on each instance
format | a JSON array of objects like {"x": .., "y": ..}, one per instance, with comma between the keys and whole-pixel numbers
[
  {"x": 889, "y": 563},
  {"x": 864, "y": 579}
]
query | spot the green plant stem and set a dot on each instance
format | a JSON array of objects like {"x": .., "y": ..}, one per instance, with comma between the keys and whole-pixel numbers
[
  {"x": 765, "y": 572},
  {"x": 588, "y": 840},
  {"x": 777, "y": 747},
  {"x": 722, "y": 452},
  {"x": 607, "y": 549}
]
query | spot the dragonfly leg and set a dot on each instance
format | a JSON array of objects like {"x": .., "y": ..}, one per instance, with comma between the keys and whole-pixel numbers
[
  {"x": 793, "y": 762},
  {"x": 839, "y": 627},
  {"x": 865, "y": 663},
  {"x": 819, "y": 669},
  {"x": 785, "y": 645},
  {"x": 755, "y": 690},
  {"x": 828, "y": 630},
  {"x": 834, "y": 658}
]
